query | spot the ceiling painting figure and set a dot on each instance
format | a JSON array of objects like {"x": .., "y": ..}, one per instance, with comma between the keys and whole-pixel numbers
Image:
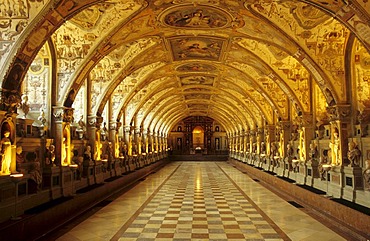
[
  {"x": 200, "y": 18},
  {"x": 196, "y": 48}
]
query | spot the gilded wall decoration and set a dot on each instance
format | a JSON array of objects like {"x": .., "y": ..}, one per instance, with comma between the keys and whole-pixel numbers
[
  {"x": 132, "y": 81},
  {"x": 323, "y": 38},
  {"x": 74, "y": 40},
  {"x": 196, "y": 48},
  {"x": 272, "y": 90},
  {"x": 252, "y": 98},
  {"x": 79, "y": 104},
  {"x": 36, "y": 82},
  {"x": 196, "y": 17},
  {"x": 112, "y": 65},
  {"x": 196, "y": 80},
  {"x": 258, "y": 29},
  {"x": 294, "y": 75},
  {"x": 15, "y": 17},
  {"x": 196, "y": 67},
  {"x": 298, "y": 79},
  {"x": 197, "y": 96},
  {"x": 155, "y": 54},
  {"x": 361, "y": 86},
  {"x": 362, "y": 28},
  {"x": 320, "y": 106},
  {"x": 242, "y": 59},
  {"x": 308, "y": 16}
]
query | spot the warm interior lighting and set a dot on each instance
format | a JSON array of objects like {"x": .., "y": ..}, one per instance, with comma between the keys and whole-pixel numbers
[
  {"x": 326, "y": 167},
  {"x": 16, "y": 175}
]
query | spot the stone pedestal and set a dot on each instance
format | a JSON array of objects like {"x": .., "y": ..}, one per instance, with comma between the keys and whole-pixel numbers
[
  {"x": 301, "y": 173},
  {"x": 312, "y": 172},
  {"x": 363, "y": 197},
  {"x": 126, "y": 162},
  {"x": 265, "y": 163},
  {"x": 287, "y": 167},
  {"x": 67, "y": 181},
  {"x": 253, "y": 159},
  {"x": 140, "y": 161},
  {"x": 273, "y": 164},
  {"x": 259, "y": 161},
  {"x": 111, "y": 168},
  {"x": 98, "y": 172},
  {"x": 352, "y": 181},
  {"x": 280, "y": 167},
  {"x": 145, "y": 158},
  {"x": 24, "y": 127},
  {"x": 121, "y": 164},
  {"x": 336, "y": 182},
  {"x": 320, "y": 184},
  {"x": 117, "y": 167},
  {"x": 88, "y": 172},
  {"x": 249, "y": 158},
  {"x": 131, "y": 163},
  {"x": 106, "y": 170},
  {"x": 135, "y": 162},
  {"x": 52, "y": 179},
  {"x": 151, "y": 159}
]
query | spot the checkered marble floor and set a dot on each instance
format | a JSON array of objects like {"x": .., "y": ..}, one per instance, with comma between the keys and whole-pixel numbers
[{"x": 199, "y": 201}]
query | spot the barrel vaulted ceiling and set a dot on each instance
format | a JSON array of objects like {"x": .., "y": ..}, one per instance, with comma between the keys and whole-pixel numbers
[{"x": 242, "y": 63}]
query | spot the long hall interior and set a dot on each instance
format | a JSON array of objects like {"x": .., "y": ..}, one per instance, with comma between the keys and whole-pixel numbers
[{"x": 184, "y": 120}]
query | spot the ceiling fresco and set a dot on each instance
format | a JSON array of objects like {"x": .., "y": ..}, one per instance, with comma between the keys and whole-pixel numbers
[
  {"x": 196, "y": 17},
  {"x": 196, "y": 48},
  {"x": 156, "y": 62}
]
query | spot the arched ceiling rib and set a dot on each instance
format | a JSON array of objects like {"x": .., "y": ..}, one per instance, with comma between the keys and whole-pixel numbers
[{"x": 243, "y": 63}]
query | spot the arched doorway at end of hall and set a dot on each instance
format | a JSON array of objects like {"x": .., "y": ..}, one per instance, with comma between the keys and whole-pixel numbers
[{"x": 198, "y": 139}]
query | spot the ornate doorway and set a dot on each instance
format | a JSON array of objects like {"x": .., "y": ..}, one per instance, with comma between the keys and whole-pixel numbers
[{"x": 198, "y": 138}]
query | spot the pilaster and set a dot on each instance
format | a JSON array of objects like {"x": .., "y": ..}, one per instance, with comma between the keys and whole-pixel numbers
[
  {"x": 340, "y": 127},
  {"x": 63, "y": 117},
  {"x": 93, "y": 132}
]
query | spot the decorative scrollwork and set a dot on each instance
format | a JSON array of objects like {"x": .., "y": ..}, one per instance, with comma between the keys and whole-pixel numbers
[
  {"x": 339, "y": 112},
  {"x": 68, "y": 115},
  {"x": 10, "y": 100},
  {"x": 94, "y": 121},
  {"x": 58, "y": 114}
]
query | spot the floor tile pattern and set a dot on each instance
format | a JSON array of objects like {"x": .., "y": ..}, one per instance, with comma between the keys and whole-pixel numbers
[{"x": 200, "y": 202}]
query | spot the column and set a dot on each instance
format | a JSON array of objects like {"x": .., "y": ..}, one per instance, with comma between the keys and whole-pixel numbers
[
  {"x": 93, "y": 132},
  {"x": 271, "y": 148},
  {"x": 144, "y": 138},
  {"x": 150, "y": 142},
  {"x": 284, "y": 162},
  {"x": 260, "y": 139},
  {"x": 344, "y": 179},
  {"x": 306, "y": 136},
  {"x": 63, "y": 116},
  {"x": 126, "y": 136}
]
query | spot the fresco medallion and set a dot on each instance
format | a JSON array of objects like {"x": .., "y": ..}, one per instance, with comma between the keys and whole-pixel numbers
[
  {"x": 200, "y": 17},
  {"x": 187, "y": 48}
]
